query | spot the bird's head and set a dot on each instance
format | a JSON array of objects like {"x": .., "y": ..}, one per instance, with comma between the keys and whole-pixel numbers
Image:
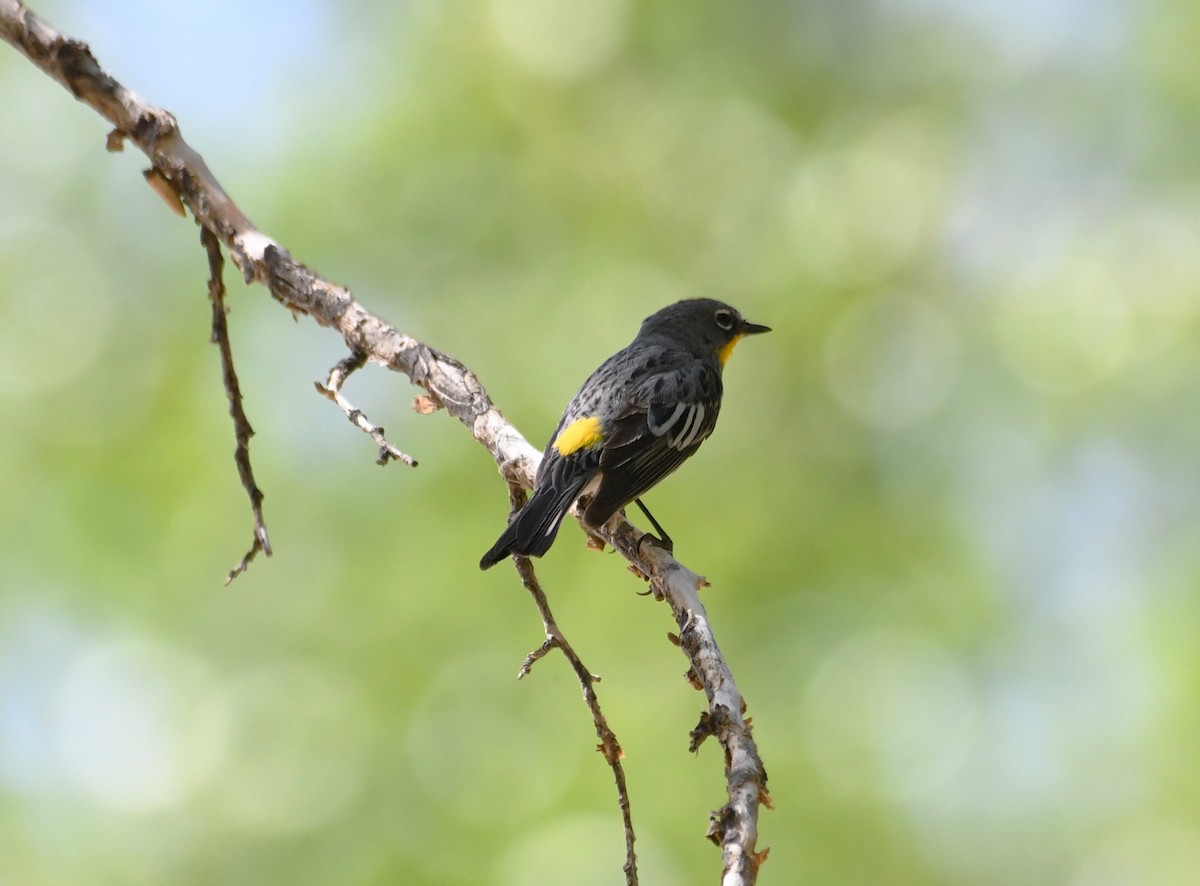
[{"x": 703, "y": 325}]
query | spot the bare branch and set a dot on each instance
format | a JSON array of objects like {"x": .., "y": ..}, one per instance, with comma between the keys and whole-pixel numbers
[
  {"x": 609, "y": 745},
  {"x": 446, "y": 382},
  {"x": 554, "y": 639},
  {"x": 332, "y": 389},
  {"x": 734, "y": 827},
  {"x": 241, "y": 425}
]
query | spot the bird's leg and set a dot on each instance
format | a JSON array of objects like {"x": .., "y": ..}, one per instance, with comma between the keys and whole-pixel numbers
[{"x": 663, "y": 541}]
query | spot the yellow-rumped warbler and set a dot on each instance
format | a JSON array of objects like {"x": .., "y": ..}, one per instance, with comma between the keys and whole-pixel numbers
[{"x": 635, "y": 420}]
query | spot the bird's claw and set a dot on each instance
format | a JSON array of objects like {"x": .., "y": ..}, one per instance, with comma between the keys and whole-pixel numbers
[{"x": 665, "y": 543}]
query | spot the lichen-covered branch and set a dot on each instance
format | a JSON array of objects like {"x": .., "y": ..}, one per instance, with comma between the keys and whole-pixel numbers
[{"x": 180, "y": 174}]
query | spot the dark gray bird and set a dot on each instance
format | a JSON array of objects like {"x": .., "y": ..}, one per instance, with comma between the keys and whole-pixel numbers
[{"x": 637, "y": 418}]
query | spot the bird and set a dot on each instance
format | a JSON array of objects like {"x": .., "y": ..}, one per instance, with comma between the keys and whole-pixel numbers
[{"x": 638, "y": 417}]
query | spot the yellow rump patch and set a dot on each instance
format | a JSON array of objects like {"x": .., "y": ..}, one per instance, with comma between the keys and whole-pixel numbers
[
  {"x": 583, "y": 433},
  {"x": 727, "y": 348}
]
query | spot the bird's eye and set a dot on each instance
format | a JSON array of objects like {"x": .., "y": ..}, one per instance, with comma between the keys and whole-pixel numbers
[{"x": 724, "y": 319}]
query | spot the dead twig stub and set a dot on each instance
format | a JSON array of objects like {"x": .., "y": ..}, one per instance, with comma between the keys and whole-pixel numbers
[{"x": 332, "y": 390}]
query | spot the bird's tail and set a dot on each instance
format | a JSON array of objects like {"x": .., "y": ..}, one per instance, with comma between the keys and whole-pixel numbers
[{"x": 532, "y": 532}]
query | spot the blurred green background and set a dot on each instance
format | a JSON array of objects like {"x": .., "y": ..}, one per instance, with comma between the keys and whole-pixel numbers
[{"x": 950, "y": 514}]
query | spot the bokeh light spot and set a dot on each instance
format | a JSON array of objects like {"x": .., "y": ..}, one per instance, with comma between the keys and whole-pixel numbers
[
  {"x": 140, "y": 725},
  {"x": 1153, "y": 851},
  {"x": 46, "y": 315},
  {"x": 477, "y": 755},
  {"x": 297, "y": 748},
  {"x": 859, "y": 209},
  {"x": 892, "y": 361},
  {"x": 889, "y": 710},
  {"x": 585, "y": 849},
  {"x": 560, "y": 41},
  {"x": 1067, "y": 328}
]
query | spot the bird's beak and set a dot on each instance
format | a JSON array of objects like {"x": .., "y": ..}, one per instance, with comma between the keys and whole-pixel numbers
[{"x": 748, "y": 328}]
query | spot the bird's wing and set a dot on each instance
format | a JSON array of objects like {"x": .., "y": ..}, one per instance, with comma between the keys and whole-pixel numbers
[{"x": 652, "y": 437}]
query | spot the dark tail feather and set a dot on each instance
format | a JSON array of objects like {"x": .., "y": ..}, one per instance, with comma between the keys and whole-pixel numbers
[{"x": 533, "y": 530}]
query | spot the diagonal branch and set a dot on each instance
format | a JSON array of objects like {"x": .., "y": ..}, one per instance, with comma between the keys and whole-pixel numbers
[
  {"x": 177, "y": 167},
  {"x": 734, "y": 827}
]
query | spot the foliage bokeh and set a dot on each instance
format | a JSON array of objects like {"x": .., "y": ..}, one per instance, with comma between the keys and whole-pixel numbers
[{"x": 949, "y": 514}]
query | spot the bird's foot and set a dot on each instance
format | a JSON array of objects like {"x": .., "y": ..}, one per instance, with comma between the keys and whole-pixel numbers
[
  {"x": 666, "y": 543},
  {"x": 662, "y": 540}
]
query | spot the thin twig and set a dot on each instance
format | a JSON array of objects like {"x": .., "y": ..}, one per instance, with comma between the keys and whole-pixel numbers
[
  {"x": 609, "y": 747},
  {"x": 241, "y": 425},
  {"x": 332, "y": 390}
]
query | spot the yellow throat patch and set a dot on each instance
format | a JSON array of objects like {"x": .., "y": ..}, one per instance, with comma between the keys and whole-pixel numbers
[
  {"x": 727, "y": 349},
  {"x": 583, "y": 433}
]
